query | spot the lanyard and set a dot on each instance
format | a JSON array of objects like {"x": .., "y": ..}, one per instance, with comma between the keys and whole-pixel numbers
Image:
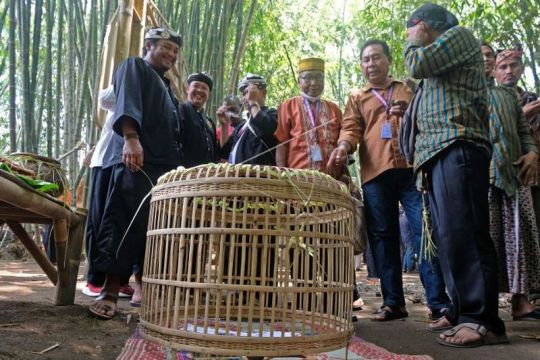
[
  {"x": 310, "y": 113},
  {"x": 385, "y": 102},
  {"x": 241, "y": 131}
]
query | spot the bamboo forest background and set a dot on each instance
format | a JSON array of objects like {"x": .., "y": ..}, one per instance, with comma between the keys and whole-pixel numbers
[{"x": 50, "y": 53}]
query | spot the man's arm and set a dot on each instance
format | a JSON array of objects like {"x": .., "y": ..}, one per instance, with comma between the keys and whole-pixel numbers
[
  {"x": 350, "y": 135},
  {"x": 453, "y": 48},
  {"x": 128, "y": 110},
  {"x": 282, "y": 153},
  {"x": 282, "y": 134},
  {"x": 224, "y": 122},
  {"x": 266, "y": 121},
  {"x": 132, "y": 153},
  {"x": 529, "y": 161}
]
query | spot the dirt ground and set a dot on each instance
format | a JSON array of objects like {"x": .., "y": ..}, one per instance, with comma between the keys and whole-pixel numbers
[{"x": 29, "y": 323}]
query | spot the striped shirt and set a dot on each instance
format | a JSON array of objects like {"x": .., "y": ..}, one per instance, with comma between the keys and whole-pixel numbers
[
  {"x": 534, "y": 124},
  {"x": 454, "y": 102},
  {"x": 510, "y": 136}
]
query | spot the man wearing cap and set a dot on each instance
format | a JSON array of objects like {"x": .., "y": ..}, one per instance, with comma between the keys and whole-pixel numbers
[
  {"x": 508, "y": 71},
  {"x": 453, "y": 152},
  {"x": 252, "y": 141},
  {"x": 372, "y": 118},
  {"x": 200, "y": 143},
  {"x": 308, "y": 126},
  {"x": 146, "y": 116},
  {"x": 514, "y": 164}
]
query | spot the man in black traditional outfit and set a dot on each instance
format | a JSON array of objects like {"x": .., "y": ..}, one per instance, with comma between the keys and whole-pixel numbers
[
  {"x": 252, "y": 141},
  {"x": 199, "y": 131},
  {"x": 146, "y": 116}
]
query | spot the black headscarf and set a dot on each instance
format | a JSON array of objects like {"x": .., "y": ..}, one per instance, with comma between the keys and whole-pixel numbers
[{"x": 435, "y": 15}]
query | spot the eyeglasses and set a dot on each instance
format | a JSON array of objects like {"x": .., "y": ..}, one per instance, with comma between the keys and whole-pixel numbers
[{"x": 312, "y": 77}]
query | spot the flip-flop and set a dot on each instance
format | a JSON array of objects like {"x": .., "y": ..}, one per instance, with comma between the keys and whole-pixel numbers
[
  {"x": 487, "y": 336},
  {"x": 104, "y": 296},
  {"x": 532, "y": 316},
  {"x": 386, "y": 313}
]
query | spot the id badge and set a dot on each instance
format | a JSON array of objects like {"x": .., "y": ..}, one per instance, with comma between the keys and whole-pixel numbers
[
  {"x": 316, "y": 154},
  {"x": 386, "y": 130}
]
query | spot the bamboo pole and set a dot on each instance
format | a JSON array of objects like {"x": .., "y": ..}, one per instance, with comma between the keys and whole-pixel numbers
[
  {"x": 59, "y": 77},
  {"x": 125, "y": 20},
  {"x": 235, "y": 68},
  {"x": 12, "y": 78},
  {"x": 105, "y": 77},
  {"x": 62, "y": 296},
  {"x": 36, "y": 41},
  {"x": 38, "y": 255},
  {"x": 137, "y": 28}
]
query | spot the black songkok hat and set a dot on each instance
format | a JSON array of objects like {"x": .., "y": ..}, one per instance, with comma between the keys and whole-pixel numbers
[
  {"x": 161, "y": 33},
  {"x": 435, "y": 15},
  {"x": 202, "y": 77},
  {"x": 256, "y": 80}
]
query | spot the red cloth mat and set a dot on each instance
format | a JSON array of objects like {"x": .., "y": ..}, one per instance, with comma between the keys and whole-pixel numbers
[{"x": 137, "y": 348}]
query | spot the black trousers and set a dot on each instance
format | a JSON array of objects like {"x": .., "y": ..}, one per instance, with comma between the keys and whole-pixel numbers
[
  {"x": 118, "y": 249},
  {"x": 458, "y": 181}
]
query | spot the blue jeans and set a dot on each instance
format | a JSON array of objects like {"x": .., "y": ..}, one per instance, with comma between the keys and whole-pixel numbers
[
  {"x": 382, "y": 196},
  {"x": 410, "y": 248}
]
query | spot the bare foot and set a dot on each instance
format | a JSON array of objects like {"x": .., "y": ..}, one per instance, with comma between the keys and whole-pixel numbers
[
  {"x": 137, "y": 294},
  {"x": 440, "y": 324},
  {"x": 521, "y": 306}
]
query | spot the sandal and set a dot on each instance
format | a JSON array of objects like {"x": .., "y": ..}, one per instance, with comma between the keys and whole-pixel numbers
[
  {"x": 487, "y": 337},
  {"x": 103, "y": 305},
  {"x": 441, "y": 324},
  {"x": 387, "y": 313}
]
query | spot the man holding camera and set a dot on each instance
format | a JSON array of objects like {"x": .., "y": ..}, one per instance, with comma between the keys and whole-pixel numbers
[
  {"x": 252, "y": 141},
  {"x": 371, "y": 118}
]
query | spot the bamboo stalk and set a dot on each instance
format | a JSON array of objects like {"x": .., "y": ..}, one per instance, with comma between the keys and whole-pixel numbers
[
  {"x": 41, "y": 259},
  {"x": 125, "y": 19},
  {"x": 38, "y": 14},
  {"x": 59, "y": 77},
  {"x": 12, "y": 78},
  {"x": 242, "y": 48}
]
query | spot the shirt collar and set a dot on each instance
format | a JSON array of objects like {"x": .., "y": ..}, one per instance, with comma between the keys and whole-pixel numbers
[
  {"x": 310, "y": 98},
  {"x": 370, "y": 86},
  {"x": 160, "y": 72}
]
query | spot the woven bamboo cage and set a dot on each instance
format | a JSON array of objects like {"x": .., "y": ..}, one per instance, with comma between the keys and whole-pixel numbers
[{"x": 249, "y": 260}]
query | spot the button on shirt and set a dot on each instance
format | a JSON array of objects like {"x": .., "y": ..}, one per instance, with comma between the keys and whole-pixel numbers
[{"x": 363, "y": 121}]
